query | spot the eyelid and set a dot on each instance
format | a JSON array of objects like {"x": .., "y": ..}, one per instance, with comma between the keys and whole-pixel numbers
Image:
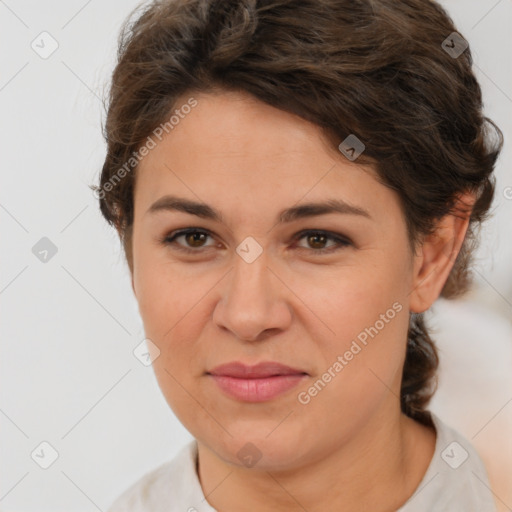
[
  {"x": 170, "y": 238},
  {"x": 341, "y": 240},
  {"x": 337, "y": 237}
]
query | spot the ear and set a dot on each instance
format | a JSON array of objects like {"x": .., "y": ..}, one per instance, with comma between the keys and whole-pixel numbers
[{"x": 436, "y": 255}]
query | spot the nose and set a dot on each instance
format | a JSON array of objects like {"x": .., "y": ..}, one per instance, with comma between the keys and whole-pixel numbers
[{"x": 254, "y": 302}]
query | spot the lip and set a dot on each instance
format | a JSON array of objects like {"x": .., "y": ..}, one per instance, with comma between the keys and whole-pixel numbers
[
  {"x": 256, "y": 383},
  {"x": 260, "y": 370}
]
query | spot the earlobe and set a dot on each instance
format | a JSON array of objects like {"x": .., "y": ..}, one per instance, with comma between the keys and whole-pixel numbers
[{"x": 435, "y": 257}]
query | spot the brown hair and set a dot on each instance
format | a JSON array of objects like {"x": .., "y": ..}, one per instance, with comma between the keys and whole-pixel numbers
[{"x": 376, "y": 69}]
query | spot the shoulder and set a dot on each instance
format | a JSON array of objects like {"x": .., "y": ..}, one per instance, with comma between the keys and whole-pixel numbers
[
  {"x": 170, "y": 484},
  {"x": 456, "y": 479}
]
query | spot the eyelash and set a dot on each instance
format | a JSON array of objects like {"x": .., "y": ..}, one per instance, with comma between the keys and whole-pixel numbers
[{"x": 342, "y": 242}]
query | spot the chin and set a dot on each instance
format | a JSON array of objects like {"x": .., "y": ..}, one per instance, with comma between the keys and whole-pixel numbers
[{"x": 259, "y": 448}]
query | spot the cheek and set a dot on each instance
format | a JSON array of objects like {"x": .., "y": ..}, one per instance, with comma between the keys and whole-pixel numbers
[
  {"x": 163, "y": 294},
  {"x": 166, "y": 305},
  {"x": 346, "y": 302},
  {"x": 362, "y": 365},
  {"x": 367, "y": 312},
  {"x": 169, "y": 307}
]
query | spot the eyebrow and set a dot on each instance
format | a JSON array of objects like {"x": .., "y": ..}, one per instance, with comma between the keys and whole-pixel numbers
[{"x": 205, "y": 211}]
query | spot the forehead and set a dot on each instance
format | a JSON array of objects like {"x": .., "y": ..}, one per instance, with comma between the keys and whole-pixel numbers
[
  {"x": 230, "y": 147},
  {"x": 237, "y": 125}
]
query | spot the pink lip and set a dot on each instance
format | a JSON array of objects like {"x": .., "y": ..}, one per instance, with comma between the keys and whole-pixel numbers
[{"x": 257, "y": 383}]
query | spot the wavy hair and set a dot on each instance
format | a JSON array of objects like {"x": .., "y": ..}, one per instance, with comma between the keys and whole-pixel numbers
[{"x": 376, "y": 69}]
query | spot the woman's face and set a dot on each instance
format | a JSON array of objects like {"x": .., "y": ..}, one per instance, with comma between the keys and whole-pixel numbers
[{"x": 255, "y": 286}]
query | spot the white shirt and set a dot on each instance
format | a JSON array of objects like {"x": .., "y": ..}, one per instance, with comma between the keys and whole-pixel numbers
[{"x": 455, "y": 481}]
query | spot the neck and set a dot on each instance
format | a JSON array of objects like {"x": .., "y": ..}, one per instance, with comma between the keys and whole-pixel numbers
[{"x": 378, "y": 469}]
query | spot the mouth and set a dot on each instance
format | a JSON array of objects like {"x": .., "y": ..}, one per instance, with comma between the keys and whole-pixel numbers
[{"x": 257, "y": 383}]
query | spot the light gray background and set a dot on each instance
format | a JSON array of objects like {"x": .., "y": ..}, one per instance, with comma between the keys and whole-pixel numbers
[{"x": 69, "y": 326}]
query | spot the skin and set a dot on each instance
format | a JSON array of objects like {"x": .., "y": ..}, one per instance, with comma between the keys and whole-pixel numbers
[{"x": 350, "y": 448}]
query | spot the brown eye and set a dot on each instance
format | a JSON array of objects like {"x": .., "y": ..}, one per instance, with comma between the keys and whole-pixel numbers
[
  {"x": 317, "y": 241},
  {"x": 194, "y": 240}
]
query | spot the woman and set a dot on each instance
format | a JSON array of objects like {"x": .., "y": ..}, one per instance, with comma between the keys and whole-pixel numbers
[{"x": 295, "y": 183}]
